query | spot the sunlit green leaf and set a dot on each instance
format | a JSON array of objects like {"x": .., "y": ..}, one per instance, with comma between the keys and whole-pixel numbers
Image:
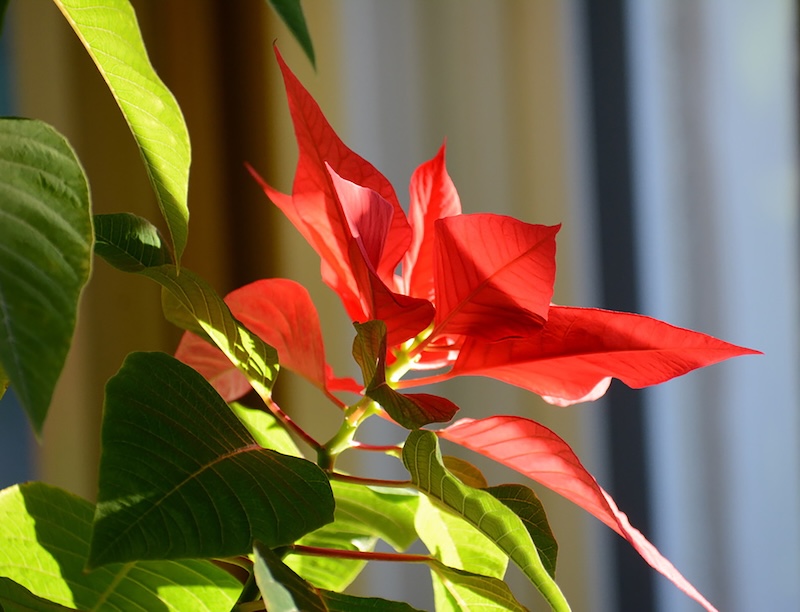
[
  {"x": 361, "y": 515},
  {"x": 457, "y": 590},
  {"x": 331, "y": 573},
  {"x": 127, "y": 242},
  {"x": 109, "y": 31},
  {"x": 181, "y": 477},
  {"x": 45, "y": 257},
  {"x": 284, "y": 591},
  {"x": 44, "y": 545},
  {"x": 423, "y": 459},
  {"x": 16, "y": 598},
  {"x": 291, "y": 12},
  {"x": 266, "y": 429}
]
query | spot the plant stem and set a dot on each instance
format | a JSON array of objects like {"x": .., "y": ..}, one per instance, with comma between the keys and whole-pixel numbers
[
  {"x": 391, "y": 449},
  {"x": 357, "y": 554},
  {"x": 425, "y": 380},
  {"x": 290, "y": 424},
  {"x": 377, "y": 482}
]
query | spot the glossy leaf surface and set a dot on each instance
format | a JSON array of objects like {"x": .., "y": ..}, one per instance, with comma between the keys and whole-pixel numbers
[
  {"x": 44, "y": 546},
  {"x": 423, "y": 460},
  {"x": 536, "y": 452},
  {"x": 110, "y": 33},
  {"x": 181, "y": 477},
  {"x": 45, "y": 257},
  {"x": 127, "y": 242},
  {"x": 577, "y": 351},
  {"x": 285, "y": 591},
  {"x": 494, "y": 276},
  {"x": 409, "y": 410}
]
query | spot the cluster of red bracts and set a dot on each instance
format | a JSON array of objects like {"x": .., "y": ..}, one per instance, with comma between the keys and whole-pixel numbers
[{"x": 473, "y": 299}]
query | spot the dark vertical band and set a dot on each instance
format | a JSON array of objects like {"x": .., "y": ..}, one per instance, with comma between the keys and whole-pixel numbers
[{"x": 607, "y": 67}]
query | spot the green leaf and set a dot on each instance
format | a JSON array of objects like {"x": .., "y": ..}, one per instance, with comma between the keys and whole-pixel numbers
[
  {"x": 523, "y": 502},
  {"x": 125, "y": 241},
  {"x": 129, "y": 243},
  {"x": 44, "y": 545},
  {"x": 457, "y": 543},
  {"x": 285, "y": 591},
  {"x": 465, "y": 472},
  {"x": 291, "y": 13},
  {"x": 45, "y": 257},
  {"x": 457, "y": 590},
  {"x": 3, "y": 7},
  {"x": 408, "y": 410},
  {"x": 331, "y": 573},
  {"x": 423, "y": 460},
  {"x": 109, "y": 31},
  {"x": 266, "y": 430},
  {"x": 386, "y": 514},
  {"x": 16, "y": 598},
  {"x": 362, "y": 514},
  {"x": 180, "y": 476}
]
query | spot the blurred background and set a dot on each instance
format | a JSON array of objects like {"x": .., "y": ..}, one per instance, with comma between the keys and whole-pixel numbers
[{"x": 662, "y": 134}]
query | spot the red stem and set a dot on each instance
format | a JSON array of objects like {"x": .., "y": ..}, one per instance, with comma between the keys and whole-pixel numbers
[
  {"x": 377, "y": 482},
  {"x": 376, "y": 448},
  {"x": 287, "y": 420},
  {"x": 357, "y": 554},
  {"x": 407, "y": 383}
]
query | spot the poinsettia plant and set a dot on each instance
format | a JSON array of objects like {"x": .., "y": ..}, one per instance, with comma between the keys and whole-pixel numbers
[{"x": 207, "y": 503}]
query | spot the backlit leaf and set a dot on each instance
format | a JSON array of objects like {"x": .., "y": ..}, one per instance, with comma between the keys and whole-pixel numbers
[
  {"x": 577, "y": 351},
  {"x": 423, "y": 459},
  {"x": 410, "y": 410},
  {"x": 462, "y": 590},
  {"x": 44, "y": 546},
  {"x": 16, "y": 598},
  {"x": 285, "y": 591},
  {"x": 362, "y": 515},
  {"x": 536, "y": 452},
  {"x": 266, "y": 430},
  {"x": 125, "y": 241},
  {"x": 494, "y": 276},
  {"x": 45, "y": 257},
  {"x": 181, "y": 477},
  {"x": 314, "y": 209},
  {"x": 109, "y": 31},
  {"x": 433, "y": 196}
]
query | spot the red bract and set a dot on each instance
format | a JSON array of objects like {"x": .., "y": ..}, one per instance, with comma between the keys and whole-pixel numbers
[
  {"x": 574, "y": 355},
  {"x": 282, "y": 314},
  {"x": 536, "y": 452},
  {"x": 472, "y": 299}
]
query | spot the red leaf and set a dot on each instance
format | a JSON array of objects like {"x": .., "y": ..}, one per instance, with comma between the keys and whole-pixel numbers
[
  {"x": 572, "y": 357},
  {"x": 494, "y": 276},
  {"x": 312, "y": 190},
  {"x": 536, "y": 452},
  {"x": 281, "y": 313},
  {"x": 368, "y": 217},
  {"x": 433, "y": 196}
]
